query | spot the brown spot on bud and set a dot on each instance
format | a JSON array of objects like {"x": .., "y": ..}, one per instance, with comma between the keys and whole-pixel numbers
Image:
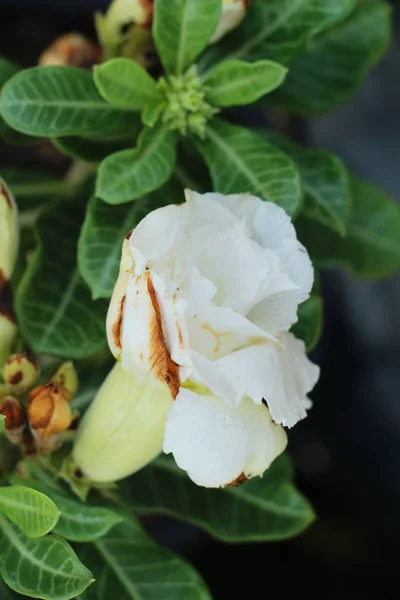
[
  {"x": 238, "y": 481},
  {"x": 13, "y": 412},
  {"x": 4, "y": 192},
  {"x": 117, "y": 327},
  {"x": 148, "y": 6},
  {"x": 162, "y": 365},
  {"x": 49, "y": 412},
  {"x": 72, "y": 50}
]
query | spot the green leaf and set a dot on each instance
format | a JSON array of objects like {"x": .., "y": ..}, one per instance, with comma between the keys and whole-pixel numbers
[
  {"x": 127, "y": 175},
  {"x": 2, "y": 423},
  {"x": 241, "y": 161},
  {"x": 32, "y": 189},
  {"x": 100, "y": 243},
  {"x": 126, "y": 84},
  {"x": 371, "y": 248},
  {"x": 7, "y": 70},
  {"x": 152, "y": 112},
  {"x": 54, "y": 307},
  {"x": 235, "y": 82},
  {"x": 309, "y": 326},
  {"x": 182, "y": 29},
  {"x": 327, "y": 190},
  {"x": 278, "y": 29},
  {"x": 31, "y": 510},
  {"x": 263, "y": 509},
  {"x": 130, "y": 566},
  {"x": 59, "y": 101},
  {"x": 46, "y": 567},
  {"x": 337, "y": 62}
]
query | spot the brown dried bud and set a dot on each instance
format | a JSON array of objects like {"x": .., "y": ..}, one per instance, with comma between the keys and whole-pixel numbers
[
  {"x": 15, "y": 419},
  {"x": 71, "y": 50},
  {"x": 21, "y": 372},
  {"x": 49, "y": 414}
]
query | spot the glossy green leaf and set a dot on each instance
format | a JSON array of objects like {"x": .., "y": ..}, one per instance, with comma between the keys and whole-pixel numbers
[
  {"x": 127, "y": 175},
  {"x": 371, "y": 248},
  {"x": 327, "y": 190},
  {"x": 46, "y": 567},
  {"x": 152, "y": 112},
  {"x": 241, "y": 161},
  {"x": 128, "y": 565},
  {"x": 309, "y": 326},
  {"x": 236, "y": 82},
  {"x": 58, "y": 101},
  {"x": 337, "y": 62},
  {"x": 182, "y": 29},
  {"x": 2, "y": 423},
  {"x": 33, "y": 512},
  {"x": 33, "y": 189},
  {"x": 100, "y": 243},
  {"x": 54, "y": 307},
  {"x": 278, "y": 29},
  {"x": 7, "y": 70},
  {"x": 125, "y": 83},
  {"x": 263, "y": 509}
]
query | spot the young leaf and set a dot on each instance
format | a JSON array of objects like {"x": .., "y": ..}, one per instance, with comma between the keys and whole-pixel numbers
[
  {"x": 131, "y": 566},
  {"x": 100, "y": 243},
  {"x": 309, "y": 326},
  {"x": 265, "y": 509},
  {"x": 241, "y": 161},
  {"x": 54, "y": 307},
  {"x": 152, "y": 112},
  {"x": 7, "y": 70},
  {"x": 127, "y": 175},
  {"x": 31, "y": 510},
  {"x": 182, "y": 29},
  {"x": 236, "y": 82},
  {"x": 327, "y": 190},
  {"x": 126, "y": 84},
  {"x": 371, "y": 248},
  {"x": 57, "y": 101},
  {"x": 46, "y": 567},
  {"x": 278, "y": 29},
  {"x": 337, "y": 62},
  {"x": 33, "y": 189}
]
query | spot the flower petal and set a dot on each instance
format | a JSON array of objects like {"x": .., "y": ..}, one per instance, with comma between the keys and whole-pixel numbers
[{"x": 216, "y": 443}]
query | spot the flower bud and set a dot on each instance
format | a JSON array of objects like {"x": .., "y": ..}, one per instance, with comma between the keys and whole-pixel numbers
[
  {"x": 21, "y": 372},
  {"x": 49, "y": 414},
  {"x": 123, "y": 429},
  {"x": 71, "y": 50},
  {"x": 15, "y": 419},
  {"x": 232, "y": 14},
  {"x": 67, "y": 377}
]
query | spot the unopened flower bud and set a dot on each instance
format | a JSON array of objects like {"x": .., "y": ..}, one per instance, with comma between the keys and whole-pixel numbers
[
  {"x": 15, "y": 418},
  {"x": 67, "y": 377},
  {"x": 71, "y": 50},
  {"x": 232, "y": 14},
  {"x": 123, "y": 429},
  {"x": 21, "y": 372},
  {"x": 49, "y": 414},
  {"x": 9, "y": 243}
]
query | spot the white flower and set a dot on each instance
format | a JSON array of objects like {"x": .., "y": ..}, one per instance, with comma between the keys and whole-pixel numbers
[{"x": 205, "y": 297}]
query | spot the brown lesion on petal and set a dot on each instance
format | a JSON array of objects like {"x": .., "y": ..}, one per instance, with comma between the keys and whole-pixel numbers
[
  {"x": 117, "y": 327},
  {"x": 129, "y": 234},
  {"x": 162, "y": 365},
  {"x": 238, "y": 481}
]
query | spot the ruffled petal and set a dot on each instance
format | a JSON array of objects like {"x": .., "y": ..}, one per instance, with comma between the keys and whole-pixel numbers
[{"x": 216, "y": 443}]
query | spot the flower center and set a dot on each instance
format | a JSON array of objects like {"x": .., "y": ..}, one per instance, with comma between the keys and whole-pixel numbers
[{"x": 186, "y": 107}]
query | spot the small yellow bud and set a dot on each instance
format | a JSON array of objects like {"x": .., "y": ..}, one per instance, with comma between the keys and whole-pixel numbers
[
  {"x": 15, "y": 419},
  {"x": 49, "y": 414},
  {"x": 21, "y": 372},
  {"x": 67, "y": 377},
  {"x": 123, "y": 429},
  {"x": 71, "y": 50}
]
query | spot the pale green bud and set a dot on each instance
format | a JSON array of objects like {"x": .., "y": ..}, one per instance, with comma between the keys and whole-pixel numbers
[
  {"x": 8, "y": 330},
  {"x": 123, "y": 429},
  {"x": 9, "y": 233},
  {"x": 21, "y": 372},
  {"x": 67, "y": 377}
]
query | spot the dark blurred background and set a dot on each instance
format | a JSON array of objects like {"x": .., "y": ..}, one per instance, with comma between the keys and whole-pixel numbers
[{"x": 347, "y": 453}]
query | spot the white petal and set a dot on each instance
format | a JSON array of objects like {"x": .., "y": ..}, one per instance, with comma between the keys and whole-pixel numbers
[
  {"x": 282, "y": 375},
  {"x": 216, "y": 443}
]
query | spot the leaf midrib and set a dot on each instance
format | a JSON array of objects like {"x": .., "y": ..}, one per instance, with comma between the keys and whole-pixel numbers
[{"x": 102, "y": 105}]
